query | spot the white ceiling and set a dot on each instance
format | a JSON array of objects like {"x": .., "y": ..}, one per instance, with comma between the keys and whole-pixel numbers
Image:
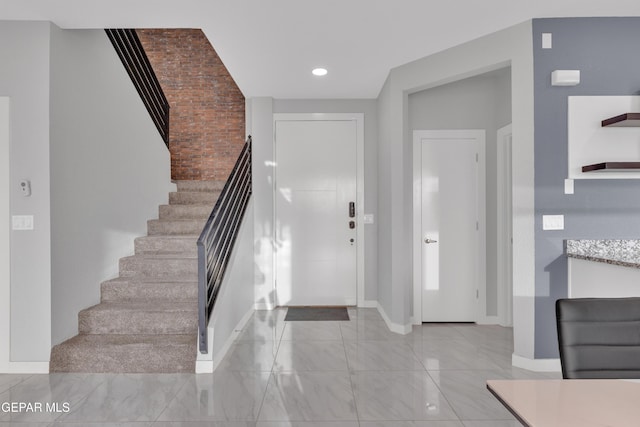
[{"x": 270, "y": 46}]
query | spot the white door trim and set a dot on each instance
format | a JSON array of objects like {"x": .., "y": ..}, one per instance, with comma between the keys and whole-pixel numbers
[
  {"x": 418, "y": 135},
  {"x": 504, "y": 222},
  {"x": 359, "y": 119}
]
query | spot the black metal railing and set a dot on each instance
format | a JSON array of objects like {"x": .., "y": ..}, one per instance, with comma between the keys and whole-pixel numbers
[
  {"x": 135, "y": 61},
  {"x": 216, "y": 241}
]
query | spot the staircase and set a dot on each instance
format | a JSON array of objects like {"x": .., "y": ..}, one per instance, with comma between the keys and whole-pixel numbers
[{"x": 147, "y": 317}]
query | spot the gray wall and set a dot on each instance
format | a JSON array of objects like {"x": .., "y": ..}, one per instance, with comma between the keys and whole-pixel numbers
[
  {"x": 480, "y": 102},
  {"x": 368, "y": 107},
  {"x": 109, "y": 171},
  {"x": 606, "y": 52},
  {"x": 24, "y": 77}
]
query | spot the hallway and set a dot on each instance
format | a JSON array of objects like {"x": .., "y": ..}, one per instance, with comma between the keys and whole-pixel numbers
[{"x": 307, "y": 374}]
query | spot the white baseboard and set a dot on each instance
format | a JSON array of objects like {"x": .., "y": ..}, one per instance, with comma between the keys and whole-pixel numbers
[
  {"x": 393, "y": 327},
  {"x": 207, "y": 363},
  {"x": 536, "y": 365},
  {"x": 24, "y": 368},
  {"x": 368, "y": 304},
  {"x": 489, "y": 320}
]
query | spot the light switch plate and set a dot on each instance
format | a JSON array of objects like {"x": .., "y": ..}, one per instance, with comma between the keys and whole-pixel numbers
[
  {"x": 553, "y": 222},
  {"x": 368, "y": 218},
  {"x": 22, "y": 222}
]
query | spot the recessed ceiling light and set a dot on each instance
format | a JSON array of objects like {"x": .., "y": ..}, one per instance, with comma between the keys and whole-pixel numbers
[{"x": 319, "y": 72}]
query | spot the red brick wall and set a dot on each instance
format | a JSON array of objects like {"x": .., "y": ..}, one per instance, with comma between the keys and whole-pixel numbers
[{"x": 207, "y": 123}]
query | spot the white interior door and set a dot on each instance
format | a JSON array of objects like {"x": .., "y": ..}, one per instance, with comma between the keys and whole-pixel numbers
[
  {"x": 450, "y": 225},
  {"x": 315, "y": 185}
]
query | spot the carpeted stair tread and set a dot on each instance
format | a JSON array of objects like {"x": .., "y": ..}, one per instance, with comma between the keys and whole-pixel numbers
[
  {"x": 207, "y": 186},
  {"x": 125, "y": 290},
  {"x": 167, "y": 244},
  {"x": 125, "y": 354},
  {"x": 175, "y": 226},
  {"x": 184, "y": 211},
  {"x": 166, "y": 266},
  {"x": 193, "y": 198},
  {"x": 147, "y": 317}
]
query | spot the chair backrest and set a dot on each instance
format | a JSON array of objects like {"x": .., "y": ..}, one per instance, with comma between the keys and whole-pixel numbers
[{"x": 599, "y": 337}]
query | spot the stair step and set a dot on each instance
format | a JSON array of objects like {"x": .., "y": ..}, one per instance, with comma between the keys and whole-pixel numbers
[
  {"x": 157, "y": 266},
  {"x": 125, "y": 354},
  {"x": 123, "y": 290},
  {"x": 200, "y": 185},
  {"x": 184, "y": 211},
  {"x": 175, "y": 226},
  {"x": 193, "y": 198},
  {"x": 161, "y": 245},
  {"x": 149, "y": 317}
]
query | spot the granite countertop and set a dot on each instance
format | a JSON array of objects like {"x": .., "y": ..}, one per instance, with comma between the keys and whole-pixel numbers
[{"x": 617, "y": 252}]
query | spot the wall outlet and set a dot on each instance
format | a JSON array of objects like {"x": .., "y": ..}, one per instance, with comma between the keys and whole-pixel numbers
[{"x": 553, "y": 222}]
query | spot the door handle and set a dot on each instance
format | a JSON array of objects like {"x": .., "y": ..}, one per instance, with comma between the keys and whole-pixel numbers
[
  {"x": 352, "y": 209},
  {"x": 430, "y": 241}
]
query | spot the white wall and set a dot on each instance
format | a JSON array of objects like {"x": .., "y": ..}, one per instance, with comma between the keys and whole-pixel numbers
[
  {"x": 260, "y": 114},
  {"x": 24, "y": 77},
  {"x": 236, "y": 299},
  {"x": 5, "y": 235},
  {"x": 479, "y": 102},
  {"x": 512, "y": 46},
  {"x": 110, "y": 169}
]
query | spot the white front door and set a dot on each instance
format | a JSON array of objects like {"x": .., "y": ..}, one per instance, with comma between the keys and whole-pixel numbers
[
  {"x": 315, "y": 212},
  {"x": 450, "y": 224}
]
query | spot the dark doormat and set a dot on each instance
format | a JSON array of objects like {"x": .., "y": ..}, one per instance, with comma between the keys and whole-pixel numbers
[{"x": 317, "y": 313}]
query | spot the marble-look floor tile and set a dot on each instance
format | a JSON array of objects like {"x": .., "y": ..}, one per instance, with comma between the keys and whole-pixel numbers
[
  {"x": 381, "y": 356},
  {"x": 262, "y": 330},
  {"x": 408, "y": 395},
  {"x": 204, "y": 424},
  {"x": 435, "y": 331},
  {"x": 127, "y": 398},
  {"x": 309, "y": 396},
  {"x": 368, "y": 330},
  {"x": 307, "y": 424},
  {"x": 56, "y": 394},
  {"x": 466, "y": 391},
  {"x": 492, "y": 423},
  {"x": 312, "y": 331},
  {"x": 310, "y": 356},
  {"x": 16, "y": 424},
  {"x": 453, "y": 354},
  {"x": 89, "y": 424},
  {"x": 9, "y": 380},
  {"x": 411, "y": 424},
  {"x": 250, "y": 356},
  {"x": 221, "y": 396},
  {"x": 364, "y": 313}
]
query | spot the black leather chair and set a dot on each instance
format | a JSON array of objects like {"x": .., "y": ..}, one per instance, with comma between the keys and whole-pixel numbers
[{"x": 599, "y": 337}]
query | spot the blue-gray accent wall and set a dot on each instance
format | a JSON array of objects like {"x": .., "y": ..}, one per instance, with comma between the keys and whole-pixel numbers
[{"x": 606, "y": 52}]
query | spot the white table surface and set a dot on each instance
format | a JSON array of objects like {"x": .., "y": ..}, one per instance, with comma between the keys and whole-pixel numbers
[{"x": 570, "y": 403}]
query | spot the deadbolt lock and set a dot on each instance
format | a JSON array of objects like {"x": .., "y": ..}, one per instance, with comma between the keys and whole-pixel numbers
[{"x": 352, "y": 224}]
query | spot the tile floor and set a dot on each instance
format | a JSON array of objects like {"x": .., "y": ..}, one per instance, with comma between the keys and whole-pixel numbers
[{"x": 297, "y": 374}]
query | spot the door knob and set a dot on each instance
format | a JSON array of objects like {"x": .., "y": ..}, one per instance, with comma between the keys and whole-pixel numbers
[{"x": 430, "y": 241}]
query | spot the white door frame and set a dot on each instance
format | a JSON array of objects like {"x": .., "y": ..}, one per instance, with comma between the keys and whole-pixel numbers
[
  {"x": 505, "y": 227},
  {"x": 359, "y": 119},
  {"x": 418, "y": 135}
]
